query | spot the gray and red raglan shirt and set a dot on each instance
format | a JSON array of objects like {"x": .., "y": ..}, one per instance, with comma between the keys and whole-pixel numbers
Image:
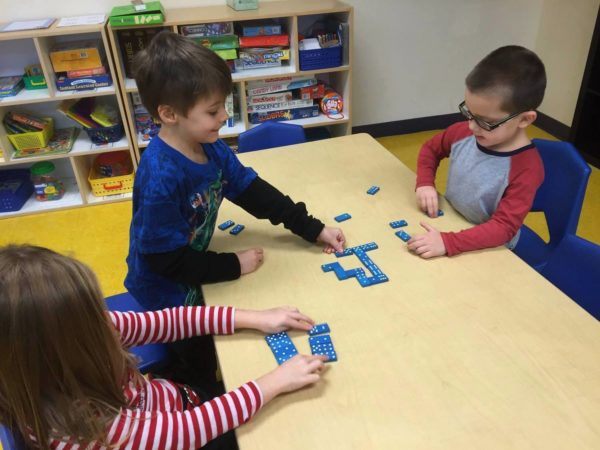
[{"x": 494, "y": 190}]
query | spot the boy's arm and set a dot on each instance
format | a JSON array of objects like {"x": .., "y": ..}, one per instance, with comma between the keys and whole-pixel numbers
[
  {"x": 524, "y": 180},
  {"x": 192, "y": 267},
  {"x": 436, "y": 149},
  {"x": 264, "y": 201}
]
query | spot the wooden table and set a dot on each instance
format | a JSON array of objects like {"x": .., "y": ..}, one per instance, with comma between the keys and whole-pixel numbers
[{"x": 472, "y": 352}]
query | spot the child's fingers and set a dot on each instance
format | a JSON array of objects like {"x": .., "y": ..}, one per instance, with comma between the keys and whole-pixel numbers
[
  {"x": 302, "y": 317},
  {"x": 427, "y": 226}
]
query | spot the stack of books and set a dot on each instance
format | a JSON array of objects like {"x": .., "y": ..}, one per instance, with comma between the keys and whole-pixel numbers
[
  {"x": 285, "y": 98},
  {"x": 262, "y": 45},
  {"x": 80, "y": 65},
  {"x": 11, "y": 85},
  {"x": 219, "y": 37}
]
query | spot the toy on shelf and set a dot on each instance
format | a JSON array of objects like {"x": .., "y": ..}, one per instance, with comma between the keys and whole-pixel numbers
[
  {"x": 46, "y": 184},
  {"x": 80, "y": 65},
  {"x": 34, "y": 77}
]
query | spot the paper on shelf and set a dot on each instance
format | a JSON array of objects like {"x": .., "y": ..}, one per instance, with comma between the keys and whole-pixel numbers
[
  {"x": 92, "y": 19},
  {"x": 21, "y": 25}
]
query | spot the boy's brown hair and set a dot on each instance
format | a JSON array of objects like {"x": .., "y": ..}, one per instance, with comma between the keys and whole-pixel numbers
[
  {"x": 513, "y": 72},
  {"x": 175, "y": 71}
]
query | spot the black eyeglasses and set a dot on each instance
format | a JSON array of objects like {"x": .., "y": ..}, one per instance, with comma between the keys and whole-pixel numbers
[{"x": 482, "y": 123}]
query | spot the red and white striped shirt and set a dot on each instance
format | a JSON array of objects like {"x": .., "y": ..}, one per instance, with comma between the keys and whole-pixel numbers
[{"x": 156, "y": 418}]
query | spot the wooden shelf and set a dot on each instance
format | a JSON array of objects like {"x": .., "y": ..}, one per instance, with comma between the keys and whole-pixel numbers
[
  {"x": 290, "y": 15},
  {"x": 77, "y": 162}
]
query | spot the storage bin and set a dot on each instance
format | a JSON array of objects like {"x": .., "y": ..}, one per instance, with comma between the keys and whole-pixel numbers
[
  {"x": 104, "y": 135},
  {"x": 33, "y": 139},
  {"x": 15, "y": 189},
  {"x": 321, "y": 58},
  {"x": 102, "y": 186}
]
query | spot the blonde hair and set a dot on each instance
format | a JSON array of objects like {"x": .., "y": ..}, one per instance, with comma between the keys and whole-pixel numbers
[{"x": 63, "y": 368}]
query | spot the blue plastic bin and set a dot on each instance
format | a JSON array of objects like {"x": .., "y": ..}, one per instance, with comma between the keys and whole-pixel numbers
[
  {"x": 321, "y": 58},
  {"x": 15, "y": 189}
]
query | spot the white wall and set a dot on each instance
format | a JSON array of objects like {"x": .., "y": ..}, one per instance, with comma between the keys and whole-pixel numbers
[
  {"x": 411, "y": 56},
  {"x": 563, "y": 43}
]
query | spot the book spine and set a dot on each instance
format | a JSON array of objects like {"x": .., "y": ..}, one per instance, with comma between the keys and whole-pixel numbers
[
  {"x": 274, "y": 106},
  {"x": 284, "y": 114},
  {"x": 86, "y": 72},
  {"x": 28, "y": 120},
  {"x": 265, "y": 30},
  {"x": 277, "y": 87},
  {"x": 271, "y": 98},
  {"x": 265, "y": 41}
]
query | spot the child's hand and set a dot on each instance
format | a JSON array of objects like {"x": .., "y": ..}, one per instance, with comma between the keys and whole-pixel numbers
[
  {"x": 427, "y": 199},
  {"x": 250, "y": 260},
  {"x": 333, "y": 238},
  {"x": 428, "y": 245},
  {"x": 295, "y": 373},
  {"x": 273, "y": 320}
]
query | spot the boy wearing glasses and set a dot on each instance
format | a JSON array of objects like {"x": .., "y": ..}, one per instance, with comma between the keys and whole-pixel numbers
[{"x": 495, "y": 170}]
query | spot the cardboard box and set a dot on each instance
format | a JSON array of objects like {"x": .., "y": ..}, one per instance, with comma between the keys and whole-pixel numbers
[
  {"x": 77, "y": 55},
  {"x": 130, "y": 15}
]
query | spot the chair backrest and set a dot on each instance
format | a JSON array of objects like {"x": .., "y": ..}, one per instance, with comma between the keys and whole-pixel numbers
[
  {"x": 270, "y": 134},
  {"x": 574, "y": 268},
  {"x": 561, "y": 194},
  {"x": 151, "y": 356},
  {"x": 10, "y": 441}
]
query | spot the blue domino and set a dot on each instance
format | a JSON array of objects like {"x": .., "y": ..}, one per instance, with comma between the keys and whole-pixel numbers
[
  {"x": 320, "y": 328},
  {"x": 322, "y": 345},
  {"x": 226, "y": 224},
  {"x": 237, "y": 229},
  {"x": 342, "y": 217},
  {"x": 282, "y": 346},
  {"x": 398, "y": 223},
  {"x": 440, "y": 212},
  {"x": 403, "y": 235},
  {"x": 376, "y": 275},
  {"x": 373, "y": 190}
]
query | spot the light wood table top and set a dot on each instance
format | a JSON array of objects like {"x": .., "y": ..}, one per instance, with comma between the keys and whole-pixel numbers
[{"x": 472, "y": 352}]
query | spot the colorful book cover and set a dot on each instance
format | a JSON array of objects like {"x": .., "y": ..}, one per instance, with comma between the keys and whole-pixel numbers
[
  {"x": 279, "y": 105},
  {"x": 241, "y": 64},
  {"x": 270, "y": 98},
  {"x": 280, "y": 40},
  {"x": 10, "y": 85},
  {"x": 86, "y": 72},
  {"x": 284, "y": 114},
  {"x": 207, "y": 29},
  {"x": 271, "y": 85},
  {"x": 227, "y": 54},
  {"x": 317, "y": 91},
  {"x": 145, "y": 14},
  {"x": 61, "y": 142},
  {"x": 265, "y": 54},
  {"x": 218, "y": 42},
  {"x": 261, "y": 30}
]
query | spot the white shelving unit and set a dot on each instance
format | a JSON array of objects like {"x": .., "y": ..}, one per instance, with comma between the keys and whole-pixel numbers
[
  {"x": 19, "y": 49},
  {"x": 291, "y": 15}
]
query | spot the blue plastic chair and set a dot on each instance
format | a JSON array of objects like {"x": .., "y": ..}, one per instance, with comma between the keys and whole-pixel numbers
[
  {"x": 10, "y": 441},
  {"x": 560, "y": 197},
  {"x": 574, "y": 268},
  {"x": 270, "y": 134},
  {"x": 152, "y": 356}
]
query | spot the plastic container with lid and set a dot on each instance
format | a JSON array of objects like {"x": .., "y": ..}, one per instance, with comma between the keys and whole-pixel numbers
[{"x": 46, "y": 185}]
